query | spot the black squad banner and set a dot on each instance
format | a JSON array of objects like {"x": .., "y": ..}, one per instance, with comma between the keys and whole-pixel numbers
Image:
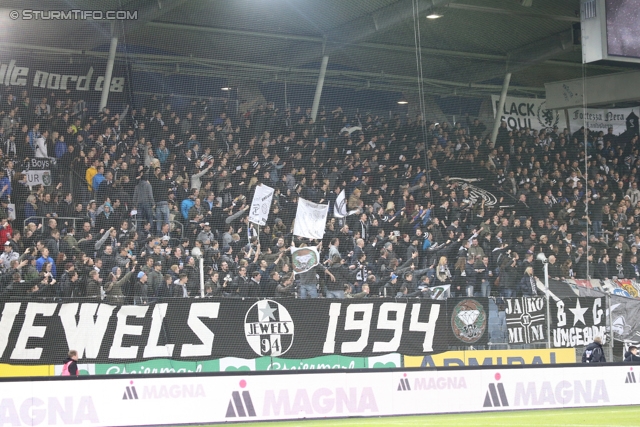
[
  {"x": 577, "y": 321},
  {"x": 525, "y": 319},
  {"x": 32, "y": 332}
]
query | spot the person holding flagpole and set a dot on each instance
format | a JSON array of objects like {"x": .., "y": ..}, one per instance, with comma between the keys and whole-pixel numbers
[{"x": 308, "y": 278}]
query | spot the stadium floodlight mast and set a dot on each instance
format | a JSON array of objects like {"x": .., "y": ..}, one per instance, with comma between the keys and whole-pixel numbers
[
  {"x": 196, "y": 252},
  {"x": 543, "y": 258}
]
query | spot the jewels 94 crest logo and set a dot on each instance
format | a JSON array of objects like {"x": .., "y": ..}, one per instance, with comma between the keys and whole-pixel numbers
[
  {"x": 469, "y": 321},
  {"x": 269, "y": 328}
]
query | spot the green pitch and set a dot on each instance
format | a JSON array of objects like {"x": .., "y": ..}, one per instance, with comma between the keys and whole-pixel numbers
[{"x": 585, "y": 417}]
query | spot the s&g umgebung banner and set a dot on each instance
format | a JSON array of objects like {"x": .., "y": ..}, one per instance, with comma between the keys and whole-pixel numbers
[{"x": 576, "y": 322}]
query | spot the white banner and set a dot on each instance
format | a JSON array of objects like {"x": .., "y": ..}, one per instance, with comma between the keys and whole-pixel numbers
[
  {"x": 600, "y": 120},
  {"x": 304, "y": 259},
  {"x": 35, "y": 177},
  {"x": 38, "y": 172},
  {"x": 261, "y": 205},
  {"x": 250, "y": 397},
  {"x": 311, "y": 219},
  {"x": 526, "y": 112},
  {"x": 533, "y": 113}
]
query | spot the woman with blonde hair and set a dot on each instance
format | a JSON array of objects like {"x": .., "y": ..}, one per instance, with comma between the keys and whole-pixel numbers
[
  {"x": 252, "y": 183},
  {"x": 443, "y": 275}
]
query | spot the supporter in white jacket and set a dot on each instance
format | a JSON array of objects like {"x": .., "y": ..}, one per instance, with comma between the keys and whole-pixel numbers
[{"x": 41, "y": 145}]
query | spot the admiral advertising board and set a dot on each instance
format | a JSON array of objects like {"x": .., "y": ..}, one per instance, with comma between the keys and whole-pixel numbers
[
  {"x": 492, "y": 358},
  {"x": 250, "y": 397}
]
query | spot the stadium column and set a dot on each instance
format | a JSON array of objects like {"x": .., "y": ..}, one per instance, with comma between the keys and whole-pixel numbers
[
  {"x": 610, "y": 327},
  {"x": 201, "y": 267},
  {"x": 107, "y": 75},
  {"x": 503, "y": 97},
  {"x": 546, "y": 295},
  {"x": 316, "y": 98}
]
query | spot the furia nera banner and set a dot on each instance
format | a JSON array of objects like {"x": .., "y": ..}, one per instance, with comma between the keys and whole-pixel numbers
[{"x": 33, "y": 332}]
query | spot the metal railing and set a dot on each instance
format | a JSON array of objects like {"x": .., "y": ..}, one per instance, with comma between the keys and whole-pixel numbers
[
  {"x": 41, "y": 219},
  {"x": 176, "y": 225}
]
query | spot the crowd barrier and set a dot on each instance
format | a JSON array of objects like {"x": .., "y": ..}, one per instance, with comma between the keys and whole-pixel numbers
[
  {"x": 216, "y": 398},
  {"x": 76, "y": 223}
]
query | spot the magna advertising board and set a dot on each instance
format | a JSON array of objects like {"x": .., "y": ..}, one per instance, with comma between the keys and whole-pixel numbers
[{"x": 132, "y": 400}]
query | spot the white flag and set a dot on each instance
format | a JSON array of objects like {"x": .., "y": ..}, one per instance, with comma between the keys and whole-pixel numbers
[
  {"x": 340, "y": 207},
  {"x": 304, "y": 259},
  {"x": 11, "y": 211},
  {"x": 441, "y": 292},
  {"x": 261, "y": 205},
  {"x": 311, "y": 219}
]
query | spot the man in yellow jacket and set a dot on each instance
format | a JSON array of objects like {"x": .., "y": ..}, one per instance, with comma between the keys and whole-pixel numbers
[{"x": 91, "y": 172}]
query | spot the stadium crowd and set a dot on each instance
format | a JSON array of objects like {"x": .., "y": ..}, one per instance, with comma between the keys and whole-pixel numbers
[{"x": 158, "y": 183}]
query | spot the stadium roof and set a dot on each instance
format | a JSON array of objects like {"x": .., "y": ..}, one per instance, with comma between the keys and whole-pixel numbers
[{"x": 370, "y": 43}]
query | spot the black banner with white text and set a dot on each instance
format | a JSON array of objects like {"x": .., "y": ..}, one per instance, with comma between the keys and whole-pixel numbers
[
  {"x": 181, "y": 329},
  {"x": 526, "y": 320},
  {"x": 576, "y": 322},
  {"x": 83, "y": 79}
]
